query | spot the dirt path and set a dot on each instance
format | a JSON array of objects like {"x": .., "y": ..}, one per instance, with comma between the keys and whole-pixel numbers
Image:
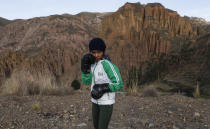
[{"x": 130, "y": 112}]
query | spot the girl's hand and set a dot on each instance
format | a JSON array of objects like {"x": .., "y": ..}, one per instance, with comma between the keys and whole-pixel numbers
[
  {"x": 86, "y": 62},
  {"x": 99, "y": 89}
]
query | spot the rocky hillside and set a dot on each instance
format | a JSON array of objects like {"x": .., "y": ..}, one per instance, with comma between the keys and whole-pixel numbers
[
  {"x": 156, "y": 42},
  {"x": 41, "y": 32},
  {"x": 202, "y": 23},
  {"x": 151, "y": 40},
  {"x": 138, "y": 32},
  {"x": 4, "y": 21},
  {"x": 193, "y": 66},
  {"x": 50, "y": 45}
]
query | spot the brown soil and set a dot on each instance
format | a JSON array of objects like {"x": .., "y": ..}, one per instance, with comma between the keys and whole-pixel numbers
[{"x": 130, "y": 112}]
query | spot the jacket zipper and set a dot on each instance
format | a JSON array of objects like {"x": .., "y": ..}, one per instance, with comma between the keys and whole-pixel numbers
[{"x": 94, "y": 77}]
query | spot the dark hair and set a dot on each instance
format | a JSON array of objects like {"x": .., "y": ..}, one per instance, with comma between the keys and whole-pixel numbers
[{"x": 97, "y": 44}]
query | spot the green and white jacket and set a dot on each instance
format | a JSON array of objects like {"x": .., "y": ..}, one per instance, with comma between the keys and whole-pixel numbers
[{"x": 104, "y": 71}]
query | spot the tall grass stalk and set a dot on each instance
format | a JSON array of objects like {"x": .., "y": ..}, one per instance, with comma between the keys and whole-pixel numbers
[{"x": 197, "y": 92}]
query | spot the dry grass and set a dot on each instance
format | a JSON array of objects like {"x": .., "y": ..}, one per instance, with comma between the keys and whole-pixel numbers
[
  {"x": 162, "y": 87},
  {"x": 144, "y": 90},
  {"x": 133, "y": 90},
  {"x": 36, "y": 106},
  {"x": 196, "y": 94},
  {"x": 57, "y": 91},
  {"x": 24, "y": 83}
]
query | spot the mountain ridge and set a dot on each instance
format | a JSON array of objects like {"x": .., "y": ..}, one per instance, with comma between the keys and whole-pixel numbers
[{"x": 136, "y": 35}]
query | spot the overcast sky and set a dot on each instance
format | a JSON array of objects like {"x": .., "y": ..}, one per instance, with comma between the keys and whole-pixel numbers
[{"x": 25, "y": 9}]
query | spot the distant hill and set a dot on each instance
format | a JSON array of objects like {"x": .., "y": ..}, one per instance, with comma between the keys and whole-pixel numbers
[
  {"x": 4, "y": 21},
  {"x": 199, "y": 20},
  {"x": 50, "y": 45}
]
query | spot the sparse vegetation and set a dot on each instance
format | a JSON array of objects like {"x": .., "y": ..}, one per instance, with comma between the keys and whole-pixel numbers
[
  {"x": 149, "y": 92},
  {"x": 72, "y": 29},
  {"x": 53, "y": 17},
  {"x": 133, "y": 90},
  {"x": 132, "y": 77},
  {"x": 4, "y": 21},
  {"x": 75, "y": 84},
  {"x": 196, "y": 94},
  {"x": 36, "y": 106},
  {"x": 33, "y": 89},
  {"x": 24, "y": 83}
]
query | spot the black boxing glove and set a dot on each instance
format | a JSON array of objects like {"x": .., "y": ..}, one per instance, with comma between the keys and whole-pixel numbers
[
  {"x": 99, "y": 89},
  {"x": 86, "y": 62}
]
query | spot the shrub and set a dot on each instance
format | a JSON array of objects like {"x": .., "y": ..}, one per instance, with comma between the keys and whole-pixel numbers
[
  {"x": 75, "y": 84},
  {"x": 150, "y": 92},
  {"x": 58, "y": 91},
  {"x": 24, "y": 83},
  {"x": 134, "y": 76},
  {"x": 36, "y": 106},
  {"x": 33, "y": 89},
  {"x": 133, "y": 90}
]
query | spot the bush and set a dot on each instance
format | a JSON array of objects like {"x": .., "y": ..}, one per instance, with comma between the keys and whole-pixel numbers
[
  {"x": 150, "y": 92},
  {"x": 33, "y": 89},
  {"x": 133, "y": 90},
  {"x": 58, "y": 91},
  {"x": 24, "y": 83},
  {"x": 36, "y": 106},
  {"x": 75, "y": 84}
]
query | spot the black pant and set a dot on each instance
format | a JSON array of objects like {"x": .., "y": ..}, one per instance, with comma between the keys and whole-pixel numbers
[{"x": 101, "y": 115}]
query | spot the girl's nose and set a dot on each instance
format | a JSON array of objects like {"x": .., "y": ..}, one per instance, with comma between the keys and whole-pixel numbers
[{"x": 96, "y": 54}]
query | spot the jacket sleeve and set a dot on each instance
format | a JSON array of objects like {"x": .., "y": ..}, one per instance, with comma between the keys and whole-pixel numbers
[
  {"x": 86, "y": 79},
  {"x": 114, "y": 75}
]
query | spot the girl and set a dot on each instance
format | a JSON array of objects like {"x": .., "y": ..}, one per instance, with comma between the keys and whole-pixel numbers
[{"x": 105, "y": 80}]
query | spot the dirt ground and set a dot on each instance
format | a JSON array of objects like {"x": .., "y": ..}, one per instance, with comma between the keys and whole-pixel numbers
[{"x": 130, "y": 112}]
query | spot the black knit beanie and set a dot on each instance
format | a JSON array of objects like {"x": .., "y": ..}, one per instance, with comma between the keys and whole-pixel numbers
[{"x": 97, "y": 44}]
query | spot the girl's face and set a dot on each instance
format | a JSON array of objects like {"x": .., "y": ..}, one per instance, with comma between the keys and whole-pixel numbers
[{"x": 97, "y": 54}]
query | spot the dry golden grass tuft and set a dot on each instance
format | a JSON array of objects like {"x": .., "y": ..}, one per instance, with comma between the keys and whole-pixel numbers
[
  {"x": 23, "y": 83},
  {"x": 196, "y": 94},
  {"x": 133, "y": 90},
  {"x": 36, "y": 106}
]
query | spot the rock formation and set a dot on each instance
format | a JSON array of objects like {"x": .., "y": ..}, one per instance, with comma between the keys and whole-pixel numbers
[
  {"x": 141, "y": 36},
  {"x": 145, "y": 31}
]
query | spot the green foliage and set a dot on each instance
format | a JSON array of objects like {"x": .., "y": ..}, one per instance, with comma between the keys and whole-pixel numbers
[{"x": 75, "y": 84}]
